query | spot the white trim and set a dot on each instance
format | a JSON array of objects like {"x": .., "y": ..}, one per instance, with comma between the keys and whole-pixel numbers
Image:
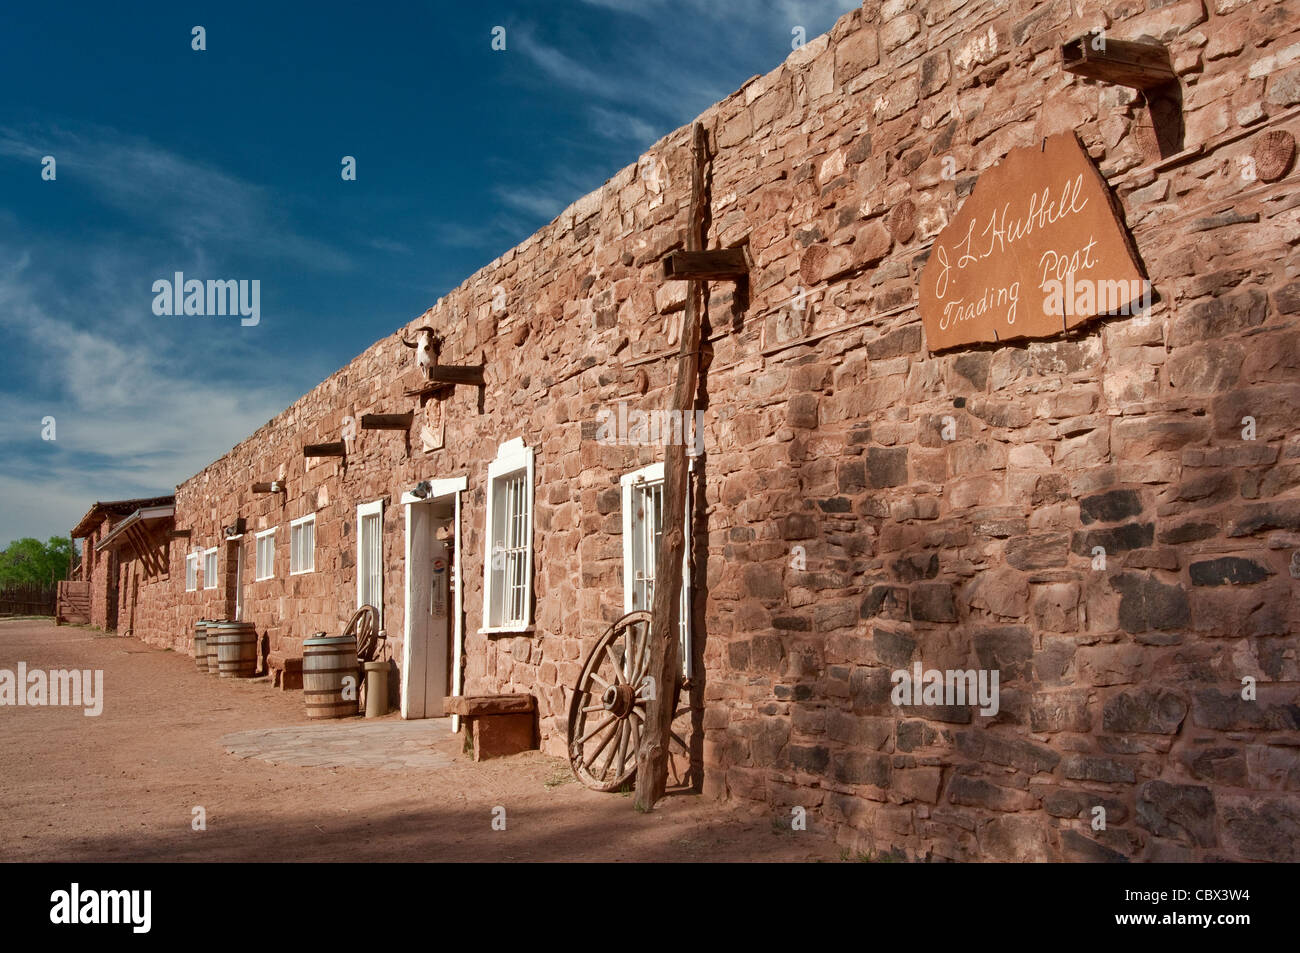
[
  {"x": 210, "y": 583},
  {"x": 654, "y": 473},
  {"x": 239, "y": 580},
  {"x": 512, "y": 456},
  {"x": 438, "y": 488},
  {"x": 294, "y": 524},
  {"x": 257, "y": 555},
  {"x": 457, "y": 606},
  {"x": 191, "y": 582},
  {"x": 373, "y": 508}
]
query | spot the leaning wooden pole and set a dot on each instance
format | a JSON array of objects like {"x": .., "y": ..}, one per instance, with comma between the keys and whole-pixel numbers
[{"x": 652, "y": 756}]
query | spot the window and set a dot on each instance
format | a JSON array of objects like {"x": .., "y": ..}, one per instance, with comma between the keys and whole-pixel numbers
[
  {"x": 210, "y": 568},
  {"x": 266, "y": 554},
  {"x": 643, "y": 516},
  {"x": 302, "y": 545},
  {"x": 370, "y": 556},
  {"x": 508, "y": 569},
  {"x": 191, "y": 572}
]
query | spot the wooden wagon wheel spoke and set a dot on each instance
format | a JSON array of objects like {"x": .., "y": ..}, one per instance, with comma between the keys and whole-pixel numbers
[
  {"x": 593, "y": 731},
  {"x": 601, "y": 747},
  {"x": 616, "y": 751},
  {"x": 643, "y": 655},
  {"x": 618, "y": 667}
]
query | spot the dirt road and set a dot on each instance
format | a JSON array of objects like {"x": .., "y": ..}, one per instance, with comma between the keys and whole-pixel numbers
[{"x": 123, "y": 786}]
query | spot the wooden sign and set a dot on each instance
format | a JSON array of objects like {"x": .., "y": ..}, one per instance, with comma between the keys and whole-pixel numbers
[{"x": 1039, "y": 247}]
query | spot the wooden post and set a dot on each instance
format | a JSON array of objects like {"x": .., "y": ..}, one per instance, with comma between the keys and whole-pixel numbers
[{"x": 664, "y": 666}]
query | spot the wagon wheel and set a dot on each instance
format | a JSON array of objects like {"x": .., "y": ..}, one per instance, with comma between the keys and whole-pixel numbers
[
  {"x": 364, "y": 624},
  {"x": 607, "y": 712}
]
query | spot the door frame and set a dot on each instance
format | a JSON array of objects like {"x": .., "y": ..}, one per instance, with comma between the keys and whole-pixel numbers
[{"x": 439, "y": 490}]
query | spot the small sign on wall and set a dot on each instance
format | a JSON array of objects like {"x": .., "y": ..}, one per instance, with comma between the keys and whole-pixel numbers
[
  {"x": 432, "y": 428},
  {"x": 1039, "y": 247}
]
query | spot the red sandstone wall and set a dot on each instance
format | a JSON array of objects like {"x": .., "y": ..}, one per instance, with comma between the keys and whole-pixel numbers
[{"x": 1120, "y": 686}]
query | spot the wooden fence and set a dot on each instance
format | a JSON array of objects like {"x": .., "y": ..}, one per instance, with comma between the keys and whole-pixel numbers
[{"x": 30, "y": 599}]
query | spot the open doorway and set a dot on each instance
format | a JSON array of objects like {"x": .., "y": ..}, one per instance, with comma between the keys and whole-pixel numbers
[
  {"x": 234, "y": 594},
  {"x": 112, "y": 596},
  {"x": 431, "y": 649}
]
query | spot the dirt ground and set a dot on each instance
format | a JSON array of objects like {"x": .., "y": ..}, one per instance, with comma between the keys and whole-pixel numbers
[{"x": 122, "y": 786}]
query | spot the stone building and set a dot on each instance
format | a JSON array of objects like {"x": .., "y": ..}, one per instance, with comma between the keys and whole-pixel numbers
[
  {"x": 1108, "y": 518},
  {"x": 111, "y": 563}
]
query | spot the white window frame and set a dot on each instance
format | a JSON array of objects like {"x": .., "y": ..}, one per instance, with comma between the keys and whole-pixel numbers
[
  {"x": 210, "y": 578},
  {"x": 374, "y": 508},
  {"x": 262, "y": 573},
  {"x": 631, "y": 482},
  {"x": 295, "y": 536},
  {"x": 512, "y": 458},
  {"x": 191, "y": 572}
]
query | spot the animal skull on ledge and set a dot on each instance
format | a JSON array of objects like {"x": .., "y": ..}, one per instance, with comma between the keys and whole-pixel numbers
[{"x": 427, "y": 344}]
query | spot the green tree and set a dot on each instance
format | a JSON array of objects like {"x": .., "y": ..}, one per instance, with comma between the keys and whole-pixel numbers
[{"x": 29, "y": 560}]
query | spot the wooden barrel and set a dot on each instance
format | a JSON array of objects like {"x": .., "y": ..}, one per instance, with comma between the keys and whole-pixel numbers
[
  {"x": 201, "y": 645},
  {"x": 326, "y": 662},
  {"x": 236, "y": 646},
  {"x": 212, "y": 645}
]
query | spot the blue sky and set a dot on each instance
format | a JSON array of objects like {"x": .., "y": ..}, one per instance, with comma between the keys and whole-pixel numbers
[{"x": 226, "y": 163}]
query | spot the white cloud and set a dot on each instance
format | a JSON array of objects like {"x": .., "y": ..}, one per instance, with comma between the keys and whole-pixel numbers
[
  {"x": 134, "y": 415},
  {"x": 196, "y": 205},
  {"x": 627, "y": 127}
]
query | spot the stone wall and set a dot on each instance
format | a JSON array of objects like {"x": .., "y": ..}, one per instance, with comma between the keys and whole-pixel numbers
[{"x": 841, "y": 536}]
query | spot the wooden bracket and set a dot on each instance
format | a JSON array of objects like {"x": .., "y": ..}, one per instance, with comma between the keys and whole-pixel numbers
[
  {"x": 1140, "y": 64},
  {"x": 715, "y": 264},
  {"x": 432, "y": 389},
  {"x": 457, "y": 374},
  {"x": 387, "y": 421},
  {"x": 336, "y": 449}
]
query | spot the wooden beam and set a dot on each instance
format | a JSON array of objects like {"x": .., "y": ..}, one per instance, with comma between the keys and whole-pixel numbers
[
  {"x": 387, "y": 421},
  {"x": 267, "y": 487},
  {"x": 664, "y": 666},
  {"x": 458, "y": 374},
  {"x": 431, "y": 390},
  {"x": 716, "y": 264},
  {"x": 142, "y": 542},
  {"x": 336, "y": 449},
  {"x": 1140, "y": 64},
  {"x": 178, "y": 533}
]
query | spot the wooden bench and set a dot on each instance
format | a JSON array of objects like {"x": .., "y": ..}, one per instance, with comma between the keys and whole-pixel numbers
[
  {"x": 286, "y": 671},
  {"x": 499, "y": 724}
]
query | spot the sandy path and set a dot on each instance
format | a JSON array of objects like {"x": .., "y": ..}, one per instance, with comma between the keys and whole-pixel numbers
[{"x": 122, "y": 786}]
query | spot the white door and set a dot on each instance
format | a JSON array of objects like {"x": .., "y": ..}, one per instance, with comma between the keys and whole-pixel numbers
[
  {"x": 426, "y": 650},
  {"x": 239, "y": 581}
]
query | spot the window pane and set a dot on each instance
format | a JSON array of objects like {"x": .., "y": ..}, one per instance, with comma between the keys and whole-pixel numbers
[
  {"x": 371, "y": 569},
  {"x": 508, "y": 551}
]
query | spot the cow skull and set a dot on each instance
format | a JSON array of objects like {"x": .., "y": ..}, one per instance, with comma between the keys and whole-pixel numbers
[{"x": 427, "y": 344}]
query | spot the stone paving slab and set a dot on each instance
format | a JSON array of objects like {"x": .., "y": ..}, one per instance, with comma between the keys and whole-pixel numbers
[{"x": 389, "y": 745}]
